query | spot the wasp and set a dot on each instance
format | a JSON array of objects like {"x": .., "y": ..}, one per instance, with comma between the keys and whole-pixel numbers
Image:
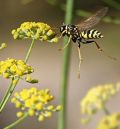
[{"x": 83, "y": 32}]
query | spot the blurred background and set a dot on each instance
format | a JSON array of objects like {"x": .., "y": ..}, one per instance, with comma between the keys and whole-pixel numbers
[{"x": 47, "y": 60}]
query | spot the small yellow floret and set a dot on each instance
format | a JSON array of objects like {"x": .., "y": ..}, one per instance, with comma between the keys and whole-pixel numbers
[
  {"x": 39, "y": 106},
  {"x": 19, "y": 114},
  {"x": 48, "y": 114},
  {"x": 41, "y": 118},
  {"x": 59, "y": 107},
  {"x": 3, "y": 45},
  {"x": 31, "y": 112}
]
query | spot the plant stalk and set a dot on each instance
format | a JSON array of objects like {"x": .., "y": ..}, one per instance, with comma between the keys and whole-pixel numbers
[
  {"x": 29, "y": 51},
  {"x": 65, "y": 71},
  {"x": 17, "y": 122},
  {"x": 106, "y": 111},
  {"x": 5, "y": 96},
  {"x": 12, "y": 85}
]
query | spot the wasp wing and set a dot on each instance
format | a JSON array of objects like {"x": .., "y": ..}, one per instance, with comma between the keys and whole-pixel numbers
[{"x": 93, "y": 20}]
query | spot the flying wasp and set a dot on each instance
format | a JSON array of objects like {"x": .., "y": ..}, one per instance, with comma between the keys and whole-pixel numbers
[{"x": 82, "y": 33}]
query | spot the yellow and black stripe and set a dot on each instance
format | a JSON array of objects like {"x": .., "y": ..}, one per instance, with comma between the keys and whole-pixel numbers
[{"x": 91, "y": 34}]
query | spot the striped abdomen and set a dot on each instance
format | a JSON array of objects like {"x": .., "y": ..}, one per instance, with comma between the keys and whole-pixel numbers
[{"x": 91, "y": 34}]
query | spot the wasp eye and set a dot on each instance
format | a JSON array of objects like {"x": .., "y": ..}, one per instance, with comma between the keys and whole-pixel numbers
[{"x": 61, "y": 29}]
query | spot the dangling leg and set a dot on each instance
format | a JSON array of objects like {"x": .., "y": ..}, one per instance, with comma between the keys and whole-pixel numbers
[
  {"x": 62, "y": 34},
  {"x": 87, "y": 42},
  {"x": 80, "y": 60},
  {"x": 60, "y": 49},
  {"x": 100, "y": 50}
]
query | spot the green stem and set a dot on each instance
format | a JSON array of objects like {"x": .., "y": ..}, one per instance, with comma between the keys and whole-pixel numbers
[
  {"x": 4, "y": 98},
  {"x": 66, "y": 61},
  {"x": 29, "y": 51},
  {"x": 17, "y": 122},
  {"x": 106, "y": 111},
  {"x": 8, "y": 94},
  {"x": 12, "y": 85}
]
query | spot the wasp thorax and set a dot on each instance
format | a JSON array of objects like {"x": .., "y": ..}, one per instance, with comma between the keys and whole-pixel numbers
[
  {"x": 71, "y": 27},
  {"x": 68, "y": 30}
]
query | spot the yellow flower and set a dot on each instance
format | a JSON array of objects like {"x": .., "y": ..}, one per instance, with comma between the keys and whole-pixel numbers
[
  {"x": 110, "y": 122},
  {"x": 30, "y": 79},
  {"x": 97, "y": 97},
  {"x": 35, "y": 30},
  {"x": 35, "y": 102},
  {"x": 31, "y": 112},
  {"x": 59, "y": 107},
  {"x": 17, "y": 104},
  {"x": 47, "y": 114},
  {"x": 24, "y": 94},
  {"x": 12, "y": 68},
  {"x": 41, "y": 118},
  {"x": 3, "y": 45},
  {"x": 39, "y": 106},
  {"x": 19, "y": 114}
]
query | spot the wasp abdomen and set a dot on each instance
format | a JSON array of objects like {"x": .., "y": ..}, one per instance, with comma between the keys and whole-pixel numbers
[{"x": 91, "y": 34}]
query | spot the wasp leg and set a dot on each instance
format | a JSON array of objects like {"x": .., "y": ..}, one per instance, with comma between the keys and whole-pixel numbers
[
  {"x": 87, "y": 42},
  {"x": 62, "y": 34},
  {"x": 80, "y": 60},
  {"x": 66, "y": 44},
  {"x": 100, "y": 49}
]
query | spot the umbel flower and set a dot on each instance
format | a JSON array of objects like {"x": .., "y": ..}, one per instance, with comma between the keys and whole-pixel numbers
[
  {"x": 12, "y": 68},
  {"x": 110, "y": 122},
  {"x": 35, "y": 102},
  {"x": 97, "y": 97},
  {"x": 35, "y": 30}
]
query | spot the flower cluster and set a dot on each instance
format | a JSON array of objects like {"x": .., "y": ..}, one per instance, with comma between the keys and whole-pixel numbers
[
  {"x": 33, "y": 30},
  {"x": 110, "y": 122},
  {"x": 96, "y": 98},
  {"x": 12, "y": 68},
  {"x": 35, "y": 102}
]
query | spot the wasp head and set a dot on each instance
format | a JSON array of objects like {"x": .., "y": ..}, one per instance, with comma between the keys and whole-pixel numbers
[{"x": 63, "y": 29}]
